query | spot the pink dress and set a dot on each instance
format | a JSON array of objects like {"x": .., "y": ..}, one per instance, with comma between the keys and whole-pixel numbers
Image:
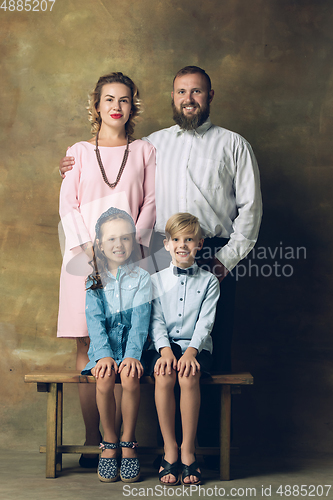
[{"x": 84, "y": 196}]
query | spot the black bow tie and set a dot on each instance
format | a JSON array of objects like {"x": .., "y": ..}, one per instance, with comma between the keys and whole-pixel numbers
[{"x": 179, "y": 270}]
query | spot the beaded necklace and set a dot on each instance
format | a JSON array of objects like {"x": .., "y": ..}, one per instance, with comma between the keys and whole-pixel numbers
[{"x": 101, "y": 166}]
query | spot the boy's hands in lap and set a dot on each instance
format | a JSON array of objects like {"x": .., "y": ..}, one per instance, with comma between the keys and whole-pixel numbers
[
  {"x": 104, "y": 366},
  {"x": 131, "y": 367},
  {"x": 166, "y": 363},
  {"x": 188, "y": 363}
]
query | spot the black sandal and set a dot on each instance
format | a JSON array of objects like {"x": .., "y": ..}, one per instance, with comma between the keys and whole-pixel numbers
[
  {"x": 168, "y": 469},
  {"x": 191, "y": 470},
  {"x": 89, "y": 463}
]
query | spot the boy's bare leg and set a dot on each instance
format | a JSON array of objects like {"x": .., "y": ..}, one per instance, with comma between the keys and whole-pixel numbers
[
  {"x": 166, "y": 410},
  {"x": 118, "y": 391},
  {"x": 107, "y": 409},
  {"x": 129, "y": 408},
  {"x": 87, "y": 395},
  {"x": 189, "y": 409}
]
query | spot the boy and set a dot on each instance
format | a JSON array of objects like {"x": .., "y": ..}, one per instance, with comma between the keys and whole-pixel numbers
[{"x": 183, "y": 313}]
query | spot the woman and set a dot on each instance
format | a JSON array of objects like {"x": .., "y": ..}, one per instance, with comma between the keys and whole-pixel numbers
[{"x": 111, "y": 169}]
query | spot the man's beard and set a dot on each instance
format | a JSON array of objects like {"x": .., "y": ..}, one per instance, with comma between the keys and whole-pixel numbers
[{"x": 191, "y": 123}]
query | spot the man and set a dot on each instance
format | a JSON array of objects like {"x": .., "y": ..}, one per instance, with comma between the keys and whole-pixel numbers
[{"x": 211, "y": 173}]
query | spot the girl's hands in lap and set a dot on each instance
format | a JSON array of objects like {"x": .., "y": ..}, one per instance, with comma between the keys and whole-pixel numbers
[
  {"x": 131, "y": 367},
  {"x": 104, "y": 367}
]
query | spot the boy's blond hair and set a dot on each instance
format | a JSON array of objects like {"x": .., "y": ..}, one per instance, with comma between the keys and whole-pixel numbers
[{"x": 181, "y": 223}]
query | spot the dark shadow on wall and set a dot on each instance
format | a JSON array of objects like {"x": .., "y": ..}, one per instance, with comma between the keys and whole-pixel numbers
[{"x": 281, "y": 335}]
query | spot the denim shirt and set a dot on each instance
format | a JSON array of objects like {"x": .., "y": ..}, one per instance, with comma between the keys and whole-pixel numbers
[{"x": 118, "y": 316}]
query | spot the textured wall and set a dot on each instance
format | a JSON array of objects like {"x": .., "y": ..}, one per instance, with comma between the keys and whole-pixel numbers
[{"x": 270, "y": 63}]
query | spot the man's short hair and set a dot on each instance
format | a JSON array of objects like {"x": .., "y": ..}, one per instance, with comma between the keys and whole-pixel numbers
[
  {"x": 181, "y": 223},
  {"x": 191, "y": 70}
]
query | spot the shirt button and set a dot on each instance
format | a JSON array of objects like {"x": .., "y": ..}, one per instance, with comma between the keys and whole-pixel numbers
[
  {"x": 180, "y": 299},
  {"x": 182, "y": 282},
  {"x": 179, "y": 314},
  {"x": 117, "y": 295},
  {"x": 177, "y": 331},
  {"x": 117, "y": 310}
]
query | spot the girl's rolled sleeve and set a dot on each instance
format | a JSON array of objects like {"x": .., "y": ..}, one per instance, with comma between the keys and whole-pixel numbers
[
  {"x": 140, "y": 319},
  {"x": 96, "y": 322}
]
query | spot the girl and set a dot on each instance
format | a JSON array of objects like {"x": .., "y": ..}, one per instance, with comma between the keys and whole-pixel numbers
[
  {"x": 111, "y": 169},
  {"x": 118, "y": 313}
]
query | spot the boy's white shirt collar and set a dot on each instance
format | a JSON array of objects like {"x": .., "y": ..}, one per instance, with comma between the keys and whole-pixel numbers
[
  {"x": 194, "y": 266},
  {"x": 169, "y": 280}
]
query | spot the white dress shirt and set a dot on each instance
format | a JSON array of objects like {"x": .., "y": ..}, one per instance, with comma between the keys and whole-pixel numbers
[
  {"x": 213, "y": 174},
  {"x": 183, "y": 309}
]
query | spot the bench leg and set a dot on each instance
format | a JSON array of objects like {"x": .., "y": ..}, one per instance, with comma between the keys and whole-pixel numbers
[
  {"x": 59, "y": 426},
  {"x": 54, "y": 429},
  {"x": 225, "y": 433},
  {"x": 51, "y": 430}
]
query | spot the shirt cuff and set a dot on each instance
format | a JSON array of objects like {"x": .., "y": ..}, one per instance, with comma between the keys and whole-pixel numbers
[
  {"x": 161, "y": 343},
  {"x": 144, "y": 236},
  {"x": 102, "y": 353},
  {"x": 196, "y": 345},
  {"x": 229, "y": 257},
  {"x": 133, "y": 353}
]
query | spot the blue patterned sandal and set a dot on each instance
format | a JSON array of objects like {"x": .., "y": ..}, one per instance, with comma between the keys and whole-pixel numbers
[
  {"x": 108, "y": 470},
  {"x": 130, "y": 467}
]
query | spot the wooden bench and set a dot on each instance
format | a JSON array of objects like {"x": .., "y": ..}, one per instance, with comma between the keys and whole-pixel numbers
[{"x": 52, "y": 383}]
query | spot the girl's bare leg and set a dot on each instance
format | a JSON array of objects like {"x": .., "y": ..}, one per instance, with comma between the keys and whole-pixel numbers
[
  {"x": 189, "y": 409},
  {"x": 87, "y": 395},
  {"x": 129, "y": 409},
  {"x": 118, "y": 391},
  {"x": 107, "y": 409},
  {"x": 166, "y": 411}
]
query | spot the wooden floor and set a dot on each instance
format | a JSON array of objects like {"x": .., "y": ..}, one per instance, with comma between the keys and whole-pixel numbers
[{"x": 22, "y": 477}]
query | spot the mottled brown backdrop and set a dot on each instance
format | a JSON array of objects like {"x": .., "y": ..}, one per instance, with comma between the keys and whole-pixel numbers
[{"x": 271, "y": 68}]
